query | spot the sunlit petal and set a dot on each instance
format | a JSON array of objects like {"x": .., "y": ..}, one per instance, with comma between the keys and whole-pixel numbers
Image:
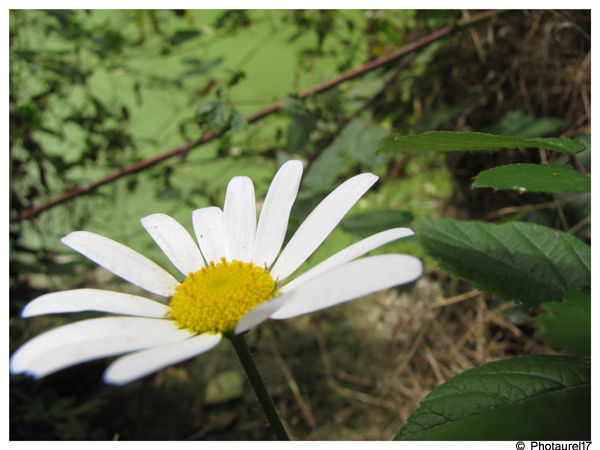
[
  {"x": 94, "y": 300},
  {"x": 91, "y": 339},
  {"x": 151, "y": 331},
  {"x": 275, "y": 213},
  {"x": 320, "y": 222},
  {"x": 175, "y": 242},
  {"x": 239, "y": 219},
  {"x": 349, "y": 281},
  {"x": 348, "y": 254},
  {"x": 137, "y": 365},
  {"x": 208, "y": 226},
  {"x": 123, "y": 262},
  {"x": 259, "y": 314}
]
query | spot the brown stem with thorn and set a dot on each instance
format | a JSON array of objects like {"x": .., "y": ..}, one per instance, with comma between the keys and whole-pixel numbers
[{"x": 183, "y": 149}]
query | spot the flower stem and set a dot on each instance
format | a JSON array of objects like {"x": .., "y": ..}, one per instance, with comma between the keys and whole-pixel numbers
[{"x": 245, "y": 356}]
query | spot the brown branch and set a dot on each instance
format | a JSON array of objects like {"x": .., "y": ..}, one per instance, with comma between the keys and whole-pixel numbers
[
  {"x": 531, "y": 207},
  {"x": 324, "y": 143},
  {"x": 575, "y": 164},
  {"x": 183, "y": 149}
]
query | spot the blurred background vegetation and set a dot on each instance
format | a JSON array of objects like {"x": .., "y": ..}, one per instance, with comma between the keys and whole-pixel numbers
[{"x": 92, "y": 92}]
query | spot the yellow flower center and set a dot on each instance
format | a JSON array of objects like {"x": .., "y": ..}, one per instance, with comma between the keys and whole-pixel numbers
[{"x": 216, "y": 297}]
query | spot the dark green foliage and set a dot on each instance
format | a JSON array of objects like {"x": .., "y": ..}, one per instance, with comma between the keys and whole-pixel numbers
[
  {"x": 513, "y": 261},
  {"x": 371, "y": 222},
  {"x": 515, "y": 123},
  {"x": 568, "y": 324},
  {"x": 448, "y": 141},
  {"x": 534, "y": 178},
  {"x": 526, "y": 399}
]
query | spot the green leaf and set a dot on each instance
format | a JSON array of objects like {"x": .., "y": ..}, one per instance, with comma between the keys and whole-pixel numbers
[
  {"x": 359, "y": 140},
  {"x": 199, "y": 66},
  {"x": 515, "y": 123},
  {"x": 237, "y": 121},
  {"x": 218, "y": 114},
  {"x": 323, "y": 173},
  {"x": 449, "y": 141},
  {"x": 568, "y": 324},
  {"x": 168, "y": 193},
  {"x": 532, "y": 398},
  {"x": 215, "y": 113},
  {"x": 299, "y": 130},
  {"x": 372, "y": 222},
  {"x": 433, "y": 119},
  {"x": 534, "y": 178},
  {"x": 521, "y": 261},
  {"x": 181, "y": 36}
]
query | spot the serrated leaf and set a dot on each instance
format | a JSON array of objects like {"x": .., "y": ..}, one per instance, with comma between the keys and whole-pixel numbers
[
  {"x": 532, "y": 398},
  {"x": 372, "y": 222},
  {"x": 449, "y": 141},
  {"x": 533, "y": 178},
  {"x": 513, "y": 261},
  {"x": 568, "y": 324}
]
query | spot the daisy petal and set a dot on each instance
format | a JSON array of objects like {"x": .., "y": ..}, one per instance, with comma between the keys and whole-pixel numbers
[
  {"x": 275, "y": 213},
  {"x": 91, "y": 339},
  {"x": 259, "y": 314},
  {"x": 175, "y": 242},
  {"x": 355, "y": 279},
  {"x": 137, "y": 365},
  {"x": 94, "y": 300},
  {"x": 317, "y": 226},
  {"x": 348, "y": 254},
  {"x": 123, "y": 262},
  {"x": 239, "y": 219},
  {"x": 208, "y": 226}
]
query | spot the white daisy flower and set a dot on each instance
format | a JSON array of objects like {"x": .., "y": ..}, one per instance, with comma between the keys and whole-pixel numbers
[{"x": 235, "y": 278}]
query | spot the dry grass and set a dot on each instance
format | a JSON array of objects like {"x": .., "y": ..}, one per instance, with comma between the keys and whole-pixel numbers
[{"x": 358, "y": 371}]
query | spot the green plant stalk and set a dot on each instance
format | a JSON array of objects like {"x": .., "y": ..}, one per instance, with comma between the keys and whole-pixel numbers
[{"x": 245, "y": 356}]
